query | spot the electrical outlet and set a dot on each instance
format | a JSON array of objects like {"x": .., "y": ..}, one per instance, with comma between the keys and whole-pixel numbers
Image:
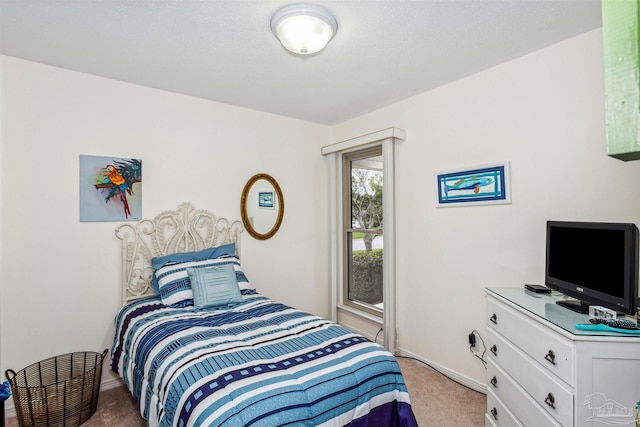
[{"x": 472, "y": 339}]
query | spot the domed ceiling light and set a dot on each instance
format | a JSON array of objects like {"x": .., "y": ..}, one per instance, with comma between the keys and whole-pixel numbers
[{"x": 304, "y": 29}]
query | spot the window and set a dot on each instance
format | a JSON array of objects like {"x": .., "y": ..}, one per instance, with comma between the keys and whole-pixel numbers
[
  {"x": 373, "y": 153},
  {"x": 363, "y": 234}
]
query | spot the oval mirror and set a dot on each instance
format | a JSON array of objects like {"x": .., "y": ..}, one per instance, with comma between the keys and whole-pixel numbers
[{"x": 262, "y": 206}]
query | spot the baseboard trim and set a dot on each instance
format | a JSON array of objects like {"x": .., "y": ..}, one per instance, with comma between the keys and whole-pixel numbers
[
  {"x": 110, "y": 383},
  {"x": 453, "y": 375},
  {"x": 105, "y": 384}
]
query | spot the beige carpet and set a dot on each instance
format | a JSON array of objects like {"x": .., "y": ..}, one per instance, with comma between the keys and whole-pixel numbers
[{"x": 436, "y": 400}]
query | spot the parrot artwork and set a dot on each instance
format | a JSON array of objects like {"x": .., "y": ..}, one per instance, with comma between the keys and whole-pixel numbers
[
  {"x": 118, "y": 179},
  {"x": 112, "y": 176}
]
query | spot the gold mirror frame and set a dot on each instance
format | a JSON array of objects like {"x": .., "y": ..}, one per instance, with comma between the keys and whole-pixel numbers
[{"x": 243, "y": 206}]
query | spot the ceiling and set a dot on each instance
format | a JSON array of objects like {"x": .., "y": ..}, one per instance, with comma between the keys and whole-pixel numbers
[{"x": 223, "y": 50}]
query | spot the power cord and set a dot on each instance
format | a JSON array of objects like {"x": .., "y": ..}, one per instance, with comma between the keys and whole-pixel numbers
[
  {"x": 438, "y": 371},
  {"x": 484, "y": 349},
  {"x": 378, "y": 333}
]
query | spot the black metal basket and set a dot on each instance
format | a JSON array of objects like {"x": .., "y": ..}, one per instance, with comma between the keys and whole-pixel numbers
[{"x": 59, "y": 391}]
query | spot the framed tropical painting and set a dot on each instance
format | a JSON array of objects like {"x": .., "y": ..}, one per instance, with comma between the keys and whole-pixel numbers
[{"x": 110, "y": 189}]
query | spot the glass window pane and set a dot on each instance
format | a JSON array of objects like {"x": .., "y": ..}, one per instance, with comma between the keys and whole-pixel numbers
[
  {"x": 366, "y": 237},
  {"x": 365, "y": 281}
]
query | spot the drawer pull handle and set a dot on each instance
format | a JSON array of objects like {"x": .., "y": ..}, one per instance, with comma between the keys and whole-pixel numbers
[
  {"x": 551, "y": 357},
  {"x": 494, "y": 350},
  {"x": 550, "y": 400},
  {"x": 494, "y": 382},
  {"x": 494, "y": 412},
  {"x": 494, "y": 318}
]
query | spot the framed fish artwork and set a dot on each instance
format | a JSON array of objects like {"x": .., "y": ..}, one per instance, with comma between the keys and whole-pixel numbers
[{"x": 480, "y": 185}]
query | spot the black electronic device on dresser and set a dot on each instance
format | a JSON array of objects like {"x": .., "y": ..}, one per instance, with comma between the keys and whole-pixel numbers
[{"x": 595, "y": 263}]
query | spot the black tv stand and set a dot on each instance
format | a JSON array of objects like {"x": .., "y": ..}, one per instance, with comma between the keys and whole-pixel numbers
[{"x": 577, "y": 306}]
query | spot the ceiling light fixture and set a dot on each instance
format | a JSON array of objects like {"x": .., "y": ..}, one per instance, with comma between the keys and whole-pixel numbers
[{"x": 304, "y": 29}]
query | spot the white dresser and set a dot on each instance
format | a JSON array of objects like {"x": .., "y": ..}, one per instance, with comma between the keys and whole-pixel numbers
[{"x": 541, "y": 371}]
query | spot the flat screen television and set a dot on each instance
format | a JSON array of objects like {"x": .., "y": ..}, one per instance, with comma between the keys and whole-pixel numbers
[{"x": 594, "y": 262}]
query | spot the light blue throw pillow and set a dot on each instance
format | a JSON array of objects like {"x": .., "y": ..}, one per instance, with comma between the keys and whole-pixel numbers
[{"x": 214, "y": 286}]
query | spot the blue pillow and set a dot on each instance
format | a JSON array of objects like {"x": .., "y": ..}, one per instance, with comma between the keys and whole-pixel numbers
[
  {"x": 214, "y": 286},
  {"x": 209, "y": 253}
]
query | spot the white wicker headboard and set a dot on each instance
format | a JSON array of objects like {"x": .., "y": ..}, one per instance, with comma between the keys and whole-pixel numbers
[{"x": 184, "y": 230}]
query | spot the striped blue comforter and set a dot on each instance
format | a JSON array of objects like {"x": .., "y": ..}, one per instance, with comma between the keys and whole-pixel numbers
[{"x": 259, "y": 363}]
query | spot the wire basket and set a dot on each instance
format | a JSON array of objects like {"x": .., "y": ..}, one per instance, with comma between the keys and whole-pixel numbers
[{"x": 59, "y": 391}]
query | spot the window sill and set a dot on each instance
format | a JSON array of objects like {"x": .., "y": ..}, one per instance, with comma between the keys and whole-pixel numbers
[{"x": 359, "y": 313}]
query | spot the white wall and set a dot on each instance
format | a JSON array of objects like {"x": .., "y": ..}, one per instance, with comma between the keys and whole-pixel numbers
[
  {"x": 544, "y": 113},
  {"x": 59, "y": 277}
]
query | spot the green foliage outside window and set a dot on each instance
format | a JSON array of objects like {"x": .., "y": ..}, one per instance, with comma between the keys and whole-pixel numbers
[{"x": 366, "y": 281}]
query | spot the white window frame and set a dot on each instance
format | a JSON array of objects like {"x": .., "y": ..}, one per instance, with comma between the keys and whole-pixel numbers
[
  {"x": 386, "y": 138},
  {"x": 347, "y": 244}
]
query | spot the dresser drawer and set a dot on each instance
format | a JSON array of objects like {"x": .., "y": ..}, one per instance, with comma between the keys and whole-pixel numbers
[
  {"x": 547, "y": 348},
  {"x": 503, "y": 392},
  {"x": 520, "y": 372},
  {"x": 497, "y": 413}
]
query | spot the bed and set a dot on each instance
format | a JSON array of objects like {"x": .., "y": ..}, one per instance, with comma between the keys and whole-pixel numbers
[{"x": 213, "y": 351}]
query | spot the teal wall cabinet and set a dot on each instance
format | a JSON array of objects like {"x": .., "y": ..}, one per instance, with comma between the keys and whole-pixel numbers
[{"x": 621, "y": 69}]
